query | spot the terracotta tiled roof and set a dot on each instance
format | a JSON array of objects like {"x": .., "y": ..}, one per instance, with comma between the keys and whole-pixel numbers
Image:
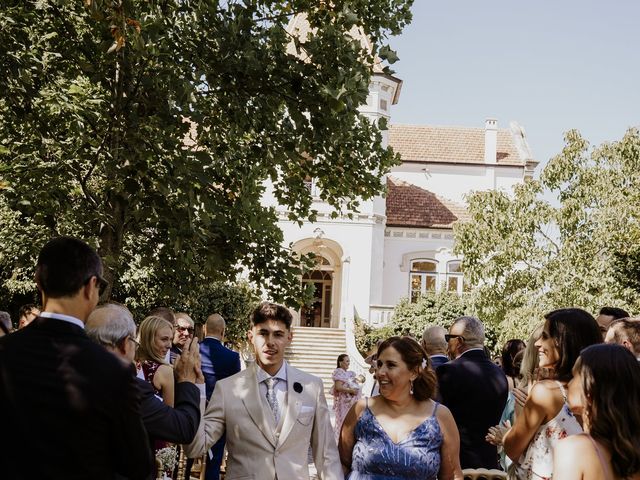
[
  {"x": 427, "y": 143},
  {"x": 411, "y": 206}
]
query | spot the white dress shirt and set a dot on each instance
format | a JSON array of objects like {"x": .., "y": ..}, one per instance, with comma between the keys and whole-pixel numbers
[
  {"x": 280, "y": 388},
  {"x": 62, "y": 316}
]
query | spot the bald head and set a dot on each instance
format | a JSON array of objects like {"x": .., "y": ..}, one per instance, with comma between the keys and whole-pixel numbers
[
  {"x": 215, "y": 326},
  {"x": 433, "y": 340}
]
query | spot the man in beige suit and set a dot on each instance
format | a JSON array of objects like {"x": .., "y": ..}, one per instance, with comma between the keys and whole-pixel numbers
[{"x": 271, "y": 412}]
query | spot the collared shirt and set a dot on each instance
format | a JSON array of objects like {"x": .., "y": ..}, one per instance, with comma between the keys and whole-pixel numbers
[
  {"x": 439, "y": 355},
  {"x": 280, "y": 387},
  {"x": 62, "y": 316}
]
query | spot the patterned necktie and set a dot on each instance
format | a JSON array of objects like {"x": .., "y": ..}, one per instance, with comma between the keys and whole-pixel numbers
[{"x": 272, "y": 400}]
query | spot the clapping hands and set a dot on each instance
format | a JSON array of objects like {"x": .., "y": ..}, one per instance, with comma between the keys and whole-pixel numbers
[
  {"x": 496, "y": 433},
  {"x": 187, "y": 365}
]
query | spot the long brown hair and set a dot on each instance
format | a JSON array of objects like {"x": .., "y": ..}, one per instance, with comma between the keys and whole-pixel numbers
[
  {"x": 414, "y": 356},
  {"x": 611, "y": 385}
]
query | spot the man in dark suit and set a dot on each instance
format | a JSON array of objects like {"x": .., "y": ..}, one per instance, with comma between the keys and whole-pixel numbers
[
  {"x": 435, "y": 345},
  {"x": 70, "y": 408},
  {"x": 112, "y": 326},
  {"x": 474, "y": 389},
  {"x": 218, "y": 362}
]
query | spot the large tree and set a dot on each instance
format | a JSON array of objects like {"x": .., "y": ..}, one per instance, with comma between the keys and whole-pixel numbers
[
  {"x": 564, "y": 240},
  {"x": 151, "y": 128}
]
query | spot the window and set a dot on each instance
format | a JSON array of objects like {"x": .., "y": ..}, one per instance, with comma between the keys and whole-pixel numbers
[
  {"x": 310, "y": 184},
  {"x": 454, "y": 276},
  {"x": 423, "y": 277}
]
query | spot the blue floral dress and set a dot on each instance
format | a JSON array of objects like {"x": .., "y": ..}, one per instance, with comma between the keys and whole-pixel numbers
[{"x": 377, "y": 457}]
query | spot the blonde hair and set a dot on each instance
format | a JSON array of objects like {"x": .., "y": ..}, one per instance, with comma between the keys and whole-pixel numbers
[
  {"x": 530, "y": 358},
  {"x": 148, "y": 330}
]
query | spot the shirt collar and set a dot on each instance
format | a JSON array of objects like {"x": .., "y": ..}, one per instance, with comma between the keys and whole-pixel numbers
[
  {"x": 439, "y": 355},
  {"x": 66, "y": 318},
  {"x": 281, "y": 375},
  {"x": 213, "y": 338}
]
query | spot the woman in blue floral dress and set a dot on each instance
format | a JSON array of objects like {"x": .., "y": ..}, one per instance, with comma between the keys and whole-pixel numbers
[{"x": 401, "y": 433}]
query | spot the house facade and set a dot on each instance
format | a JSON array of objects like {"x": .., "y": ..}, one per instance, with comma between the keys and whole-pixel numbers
[{"x": 402, "y": 244}]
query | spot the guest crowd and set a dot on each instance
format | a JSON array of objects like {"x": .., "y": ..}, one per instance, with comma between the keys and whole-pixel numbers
[{"x": 87, "y": 394}]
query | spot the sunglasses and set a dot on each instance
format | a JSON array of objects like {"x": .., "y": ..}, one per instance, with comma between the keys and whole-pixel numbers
[
  {"x": 448, "y": 337},
  {"x": 101, "y": 282},
  {"x": 185, "y": 329}
]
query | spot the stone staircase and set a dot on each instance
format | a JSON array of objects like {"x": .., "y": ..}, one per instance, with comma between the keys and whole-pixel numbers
[{"x": 315, "y": 350}]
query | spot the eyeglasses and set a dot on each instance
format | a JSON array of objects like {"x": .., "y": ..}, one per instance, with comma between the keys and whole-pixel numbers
[
  {"x": 135, "y": 342},
  {"x": 180, "y": 328},
  {"x": 102, "y": 283},
  {"x": 448, "y": 337}
]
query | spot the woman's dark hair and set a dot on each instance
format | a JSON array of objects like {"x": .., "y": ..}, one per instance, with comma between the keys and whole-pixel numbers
[
  {"x": 572, "y": 329},
  {"x": 611, "y": 385},
  {"x": 509, "y": 352},
  {"x": 340, "y": 359},
  {"x": 413, "y": 355}
]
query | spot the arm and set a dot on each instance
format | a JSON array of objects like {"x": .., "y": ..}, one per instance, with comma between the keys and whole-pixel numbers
[
  {"x": 569, "y": 457},
  {"x": 450, "y": 448},
  {"x": 323, "y": 445},
  {"x": 212, "y": 425},
  {"x": 340, "y": 386},
  {"x": 347, "y": 434},
  {"x": 163, "y": 381},
  {"x": 517, "y": 438},
  {"x": 176, "y": 425}
]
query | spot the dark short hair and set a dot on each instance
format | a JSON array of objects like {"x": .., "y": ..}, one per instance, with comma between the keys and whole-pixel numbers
[
  {"x": 271, "y": 311},
  {"x": 64, "y": 265},
  {"x": 25, "y": 310},
  {"x": 611, "y": 386},
  {"x": 614, "y": 312},
  {"x": 573, "y": 329},
  {"x": 413, "y": 355},
  {"x": 341, "y": 357},
  {"x": 164, "y": 312},
  {"x": 509, "y": 351}
]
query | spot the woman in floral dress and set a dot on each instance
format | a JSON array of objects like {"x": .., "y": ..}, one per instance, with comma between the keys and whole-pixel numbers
[
  {"x": 546, "y": 418},
  {"x": 345, "y": 391}
]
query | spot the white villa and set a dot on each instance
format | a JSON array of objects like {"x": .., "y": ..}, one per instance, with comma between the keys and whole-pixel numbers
[{"x": 402, "y": 244}]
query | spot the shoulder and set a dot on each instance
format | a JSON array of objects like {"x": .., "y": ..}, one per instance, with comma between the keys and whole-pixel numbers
[
  {"x": 575, "y": 446},
  {"x": 297, "y": 375},
  {"x": 545, "y": 391}
]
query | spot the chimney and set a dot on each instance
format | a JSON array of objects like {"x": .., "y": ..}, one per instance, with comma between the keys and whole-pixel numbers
[{"x": 490, "y": 140}]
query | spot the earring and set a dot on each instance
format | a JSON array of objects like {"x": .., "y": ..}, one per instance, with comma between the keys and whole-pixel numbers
[{"x": 411, "y": 387}]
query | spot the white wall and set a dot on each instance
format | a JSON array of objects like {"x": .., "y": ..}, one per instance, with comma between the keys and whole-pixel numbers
[
  {"x": 455, "y": 181},
  {"x": 400, "y": 246},
  {"x": 356, "y": 238}
]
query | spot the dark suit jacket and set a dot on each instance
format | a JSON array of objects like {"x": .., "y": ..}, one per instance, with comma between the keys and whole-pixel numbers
[
  {"x": 176, "y": 425},
  {"x": 438, "y": 360},
  {"x": 218, "y": 362},
  {"x": 475, "y": 390},
  {"x": 69, "y": 408}
]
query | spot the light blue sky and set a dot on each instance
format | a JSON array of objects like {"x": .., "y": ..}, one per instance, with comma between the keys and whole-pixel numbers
[{"x": 551, "y": 65}]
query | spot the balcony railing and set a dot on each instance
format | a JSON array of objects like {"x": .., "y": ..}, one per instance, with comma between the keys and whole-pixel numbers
[{"x": 379, "y": 315}]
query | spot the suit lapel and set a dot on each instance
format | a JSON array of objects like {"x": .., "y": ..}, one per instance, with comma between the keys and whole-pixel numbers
[
  {"x": 254, "y": 405},
  {"x": 294, "y": 400}
]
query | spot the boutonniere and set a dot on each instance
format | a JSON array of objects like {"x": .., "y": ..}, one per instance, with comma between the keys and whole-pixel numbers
[{"x": 297, "y": 387}]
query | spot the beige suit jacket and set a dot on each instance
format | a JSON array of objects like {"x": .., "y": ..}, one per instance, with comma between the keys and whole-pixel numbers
[{"x": 255, "y": 450}]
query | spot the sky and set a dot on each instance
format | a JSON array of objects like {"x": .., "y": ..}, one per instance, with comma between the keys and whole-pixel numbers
[{"x": 550, "y": 65}]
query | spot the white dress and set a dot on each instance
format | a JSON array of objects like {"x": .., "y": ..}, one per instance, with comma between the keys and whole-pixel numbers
[{"x": 537, "y": 462}]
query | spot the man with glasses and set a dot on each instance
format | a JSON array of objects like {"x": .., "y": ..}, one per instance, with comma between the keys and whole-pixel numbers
[
  {"x": 474, "y": 389},
  {"x": 70, "y": 401},
  {"x": 182, "y": 333},
  {"x": 111, "y": 325}
]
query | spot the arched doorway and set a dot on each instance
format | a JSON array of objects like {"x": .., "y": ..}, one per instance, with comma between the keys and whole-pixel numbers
[
  {"x": 326, "y": 280},
  {"x": 318, "y": 312}
]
